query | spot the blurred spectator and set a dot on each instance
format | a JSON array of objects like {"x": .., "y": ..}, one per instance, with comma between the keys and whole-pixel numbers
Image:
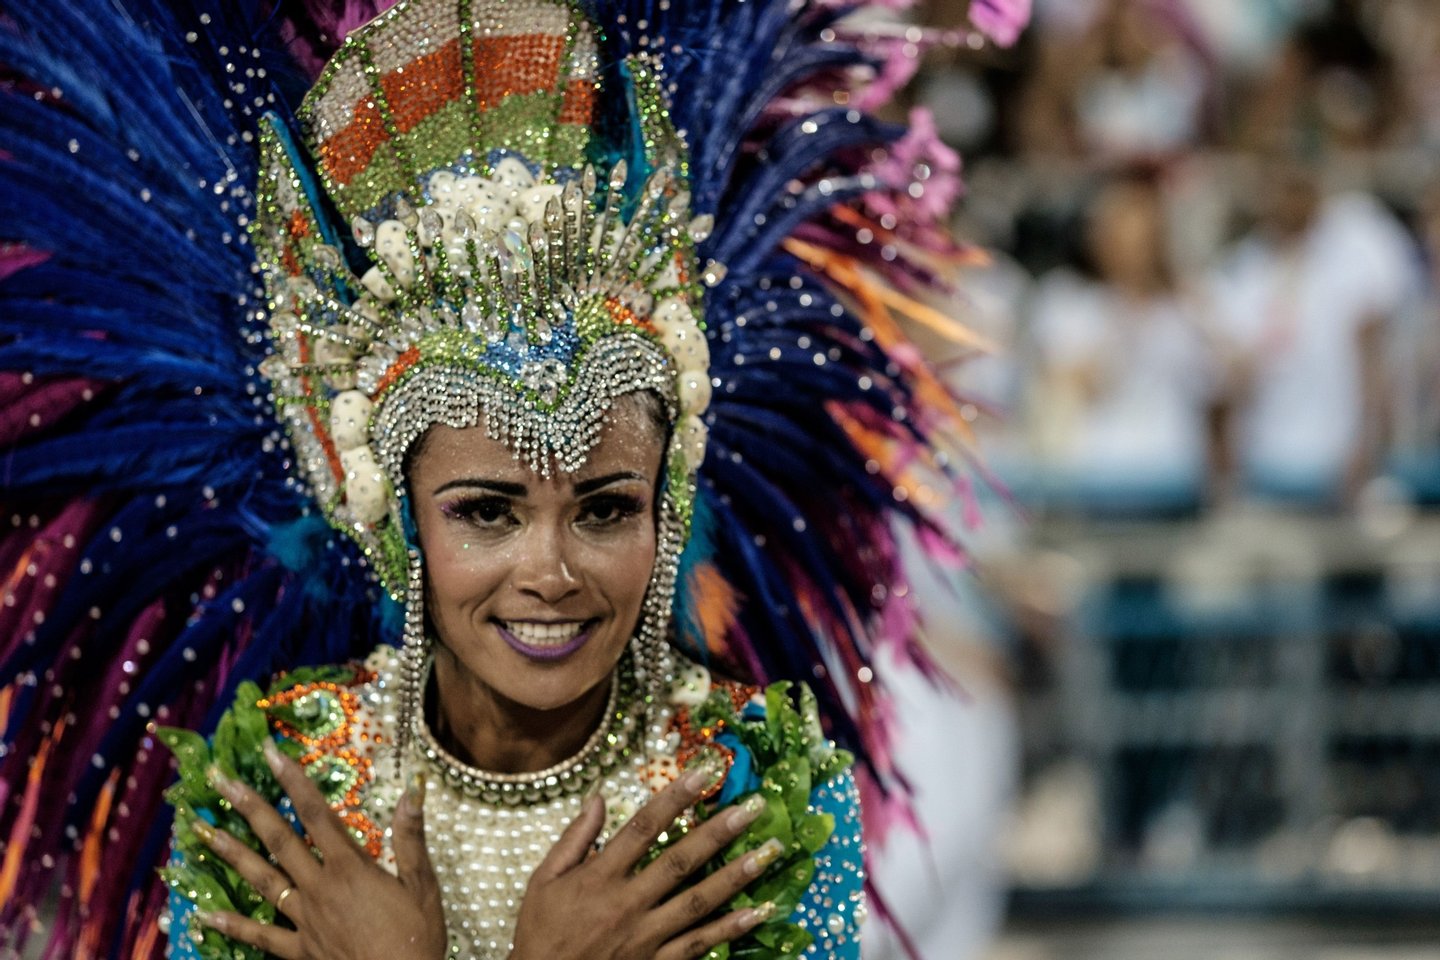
[
  {"x": 1131, "y": 79},
  {"x": 1331, "y": 88},
  {"x": 1415, "y": 361},
  {"x": 1305, "y": 302},
  {"x": 1245, "y": 33},
  {"x": 1124, "y": 377},
  {"x": 1410, "y": 30}
]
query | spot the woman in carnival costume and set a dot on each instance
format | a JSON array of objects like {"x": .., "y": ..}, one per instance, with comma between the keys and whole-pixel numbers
[{"x": 540, "y": 354}]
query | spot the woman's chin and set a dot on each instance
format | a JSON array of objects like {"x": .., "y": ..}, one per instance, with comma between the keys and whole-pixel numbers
[{"x": 544, "y": 683}]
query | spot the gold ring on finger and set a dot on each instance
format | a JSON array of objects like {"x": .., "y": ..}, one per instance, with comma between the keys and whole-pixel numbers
[{"x": 280, "y": 900}]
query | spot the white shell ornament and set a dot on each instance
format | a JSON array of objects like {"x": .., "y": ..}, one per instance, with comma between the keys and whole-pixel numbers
[
  {"x": 366, "y": 492},
  {"x": 694, "y": 390},
  {"x": 350, "y": 419},
  {"x": 691, "y": 686},
  {"x": 692, "y": 436}
]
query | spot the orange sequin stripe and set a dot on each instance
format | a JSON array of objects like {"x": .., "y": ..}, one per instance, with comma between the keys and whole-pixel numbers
[
  {"x": 578, "y": 107},
  {"x": 349, "y": 705},
  {"x": 426, "y": 84},
  {"x": 298, "y": 228},
  {"x": 336, "y": 744},
  {"x": 402, "y": 363},
  {"x": 623, "y": 315},
  {"x": 504, "y": 66}
]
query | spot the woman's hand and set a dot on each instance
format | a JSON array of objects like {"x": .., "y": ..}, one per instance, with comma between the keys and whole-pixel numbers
[
  {"x": 580, "y": 907},
  {"x": 344, "y": 906}
]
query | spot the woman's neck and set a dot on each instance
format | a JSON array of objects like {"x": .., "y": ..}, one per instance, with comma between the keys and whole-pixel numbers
[{"x": 488, "y": 731}]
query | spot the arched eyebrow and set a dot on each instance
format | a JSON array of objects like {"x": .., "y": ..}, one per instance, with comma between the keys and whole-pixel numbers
[
  {"x": 508, "y": 489},
  {"x": 595, "y": 483},
  {"x": 495, "y": 486}
]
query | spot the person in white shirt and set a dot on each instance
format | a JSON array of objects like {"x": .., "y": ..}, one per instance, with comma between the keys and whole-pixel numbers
[
  {"x": 1305, "y": 302},
  {"x": 1124, "y": 375}
]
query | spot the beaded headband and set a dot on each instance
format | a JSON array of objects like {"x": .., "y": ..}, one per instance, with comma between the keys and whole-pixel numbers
[{"x": 488, "y": 273}]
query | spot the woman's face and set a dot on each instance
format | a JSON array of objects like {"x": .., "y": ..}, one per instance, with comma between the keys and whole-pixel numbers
[{"x": 535, "y": 584}]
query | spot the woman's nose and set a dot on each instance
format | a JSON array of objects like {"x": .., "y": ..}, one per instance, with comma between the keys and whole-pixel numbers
[{"x": 544, "y": 569}]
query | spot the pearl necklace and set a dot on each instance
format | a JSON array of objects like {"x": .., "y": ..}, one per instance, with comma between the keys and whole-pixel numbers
[
  {"x": 606, "y": 746},
  {"x": 487, "y": 832}
]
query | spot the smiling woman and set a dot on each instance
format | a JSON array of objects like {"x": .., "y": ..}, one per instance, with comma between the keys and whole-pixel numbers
[
  {"x": 533, "y": 723},
  {"x": 396, "y": 454},
  {"x": 533, "y": 585}
]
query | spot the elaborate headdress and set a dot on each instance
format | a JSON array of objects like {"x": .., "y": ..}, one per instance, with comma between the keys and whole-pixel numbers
[
  {"x": 484, "y": 272},
  {"x": 512, "y": 209}
]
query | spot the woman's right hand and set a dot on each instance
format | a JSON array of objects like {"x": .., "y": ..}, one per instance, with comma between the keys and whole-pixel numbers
[{"x": 581, "y": 907}]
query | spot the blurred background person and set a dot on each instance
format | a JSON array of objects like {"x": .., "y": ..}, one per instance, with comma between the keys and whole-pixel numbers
[
  {"x": 1306, "y": 301},
  {"x": 1414, "y": 361},
  {"x": 1123, "y": 377},
  {"x": 1117, "y": 79},
  {"x": 1224, "y": 682}
]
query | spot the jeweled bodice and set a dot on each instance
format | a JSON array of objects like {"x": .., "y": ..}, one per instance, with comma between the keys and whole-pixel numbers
[{"x": 487, "y": 832}]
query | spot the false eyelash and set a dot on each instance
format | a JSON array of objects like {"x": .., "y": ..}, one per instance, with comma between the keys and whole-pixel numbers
[
  {"x": 467, "y": 509},
  {"x": 625, "y": 506}
]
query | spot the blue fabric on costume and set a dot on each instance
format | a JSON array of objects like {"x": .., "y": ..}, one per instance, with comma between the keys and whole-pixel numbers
[{"x": 839, "y": 876}]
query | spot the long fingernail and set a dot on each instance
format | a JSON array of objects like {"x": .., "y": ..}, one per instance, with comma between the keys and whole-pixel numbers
[
  {"x": 204, "y": 831},
  {"x": 756, "y": 862},
  {"x": 758, "y": 914},
  {"x": 228, "y": 788},
  {"x": 273, "y": 756},
  {"x": 696, "y": 779},
  {"x": 744, "y": 814},
  {"x": 205, "y": 918},
  {"x": 704, "y": 774}
]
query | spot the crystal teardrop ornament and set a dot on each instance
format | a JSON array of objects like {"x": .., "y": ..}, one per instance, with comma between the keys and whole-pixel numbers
[
  {"x": 431, "y": 226},
  {"x": 618, "y": 175},
  {"x": 472, "y": 317},
  {"x": 327, "y": 257},
  {"x": 701, "y": 227},
  {"x": 363, "y": 231}
]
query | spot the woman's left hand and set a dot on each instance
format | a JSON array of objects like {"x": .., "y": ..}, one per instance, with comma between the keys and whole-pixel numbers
[{"x": 343, "y": 905}]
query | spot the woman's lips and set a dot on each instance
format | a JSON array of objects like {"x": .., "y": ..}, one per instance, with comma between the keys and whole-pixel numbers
[{"x": 544, "y": 641}]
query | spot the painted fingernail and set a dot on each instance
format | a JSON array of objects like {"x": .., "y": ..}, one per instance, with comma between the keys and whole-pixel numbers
[
  {"x": 228, "y": 788},
  {"x": 758, "y": 914},
  {"x": 697, "y": 778},
  {"x": 756, "y": 862},
  {"x": 273, "y": 756},
  {"x": 744, "y": 814},
  {"x": 204, "y": 831},
  {"x": 704, "y": 773}
]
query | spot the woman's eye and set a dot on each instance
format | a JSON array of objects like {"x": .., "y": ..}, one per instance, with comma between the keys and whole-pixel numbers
[
  {"x": 603, "y": 511},
  {"x": 481, "y": 512}
]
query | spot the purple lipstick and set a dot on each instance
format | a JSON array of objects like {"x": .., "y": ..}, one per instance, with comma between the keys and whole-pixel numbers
[{"x": 533, "y": 647}]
